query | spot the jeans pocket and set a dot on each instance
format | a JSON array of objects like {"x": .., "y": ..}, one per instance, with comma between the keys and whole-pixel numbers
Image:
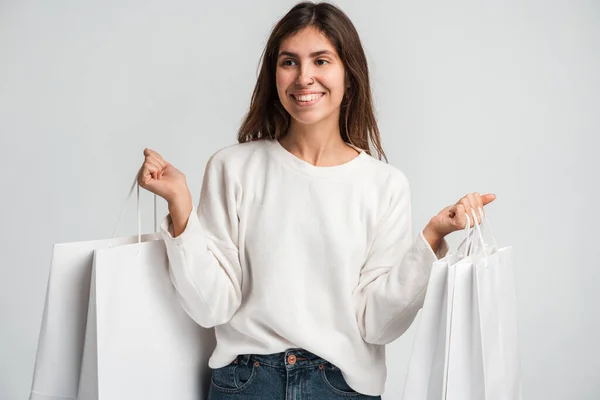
[
  {"x": 234, "y": 378},
  {"x": 334, "y": 380}
]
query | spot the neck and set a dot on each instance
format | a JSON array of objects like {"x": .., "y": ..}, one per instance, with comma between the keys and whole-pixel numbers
[{"x": 320, "y": 144}]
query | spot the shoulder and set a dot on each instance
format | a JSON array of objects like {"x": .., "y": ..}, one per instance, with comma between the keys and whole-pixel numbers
[
  {"x": 386, "y": 177},
  {"x": 238, "y": 155},
  {"x": 238, "y": 152}
]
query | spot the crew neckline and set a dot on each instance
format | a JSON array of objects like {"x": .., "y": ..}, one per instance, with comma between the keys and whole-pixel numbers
[{"x": 307, "y": 168}]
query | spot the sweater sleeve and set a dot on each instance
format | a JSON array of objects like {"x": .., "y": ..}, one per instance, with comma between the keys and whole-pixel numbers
[
  {"x": 394, "y": 278},
  {"x": 204, "y": 261}
]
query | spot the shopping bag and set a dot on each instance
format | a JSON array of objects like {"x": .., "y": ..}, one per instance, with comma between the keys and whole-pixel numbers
[
  {"x": 424, "y": 378},
  {"x": 464, "y": 369},
  {"x": 497, "y": 304},
  {"x": 462, "y": 349},
  {"x": 426, "y": 372},
  {"x": 482, "y": 360},
  {"x": 62, "y": 332},
  {"x": 139, "y": 342}
]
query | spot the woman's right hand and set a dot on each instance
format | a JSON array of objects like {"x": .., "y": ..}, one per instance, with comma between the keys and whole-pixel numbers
[{"x": 161, "y": 178}]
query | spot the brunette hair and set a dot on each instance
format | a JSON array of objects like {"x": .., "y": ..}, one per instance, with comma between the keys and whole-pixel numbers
[{"x": 268, "y": 119}]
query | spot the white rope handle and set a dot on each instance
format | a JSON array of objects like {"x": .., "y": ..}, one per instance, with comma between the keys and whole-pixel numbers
[
  {"x": 478, "y": 228},
  {"x": 467, "y": 241},
  {"x": 489, "y": 227},
  {"x": 135, "y": 185}
]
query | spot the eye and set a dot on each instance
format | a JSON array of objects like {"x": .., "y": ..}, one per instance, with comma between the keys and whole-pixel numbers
[
  {"x": 288, "y": 62},
  {"x": 321, "y": 60}
]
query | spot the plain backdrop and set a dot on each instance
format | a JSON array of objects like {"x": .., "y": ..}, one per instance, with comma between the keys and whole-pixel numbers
[{"x": 499, "y": 97}]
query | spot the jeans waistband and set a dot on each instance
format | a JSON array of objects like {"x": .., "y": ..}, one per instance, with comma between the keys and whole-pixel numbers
[{"x": 296, "y": 358}]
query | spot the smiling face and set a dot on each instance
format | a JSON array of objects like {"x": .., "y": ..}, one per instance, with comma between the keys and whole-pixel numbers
[{"x": 310, "y": 77}]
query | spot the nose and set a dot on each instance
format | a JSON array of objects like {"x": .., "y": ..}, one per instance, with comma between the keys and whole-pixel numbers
[{"x": 305, "y": 77}]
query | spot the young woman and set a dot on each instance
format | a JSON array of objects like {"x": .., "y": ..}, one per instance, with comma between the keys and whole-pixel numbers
[{"x": 300, "y": 252}]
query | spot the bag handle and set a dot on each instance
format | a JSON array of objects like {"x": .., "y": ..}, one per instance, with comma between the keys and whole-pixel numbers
[
  {"x": 480, "y": 235},
  {"x": 467, "y": 241},
  {"x": 489, "y": 227},
  {"x": 135, "y": 185}
]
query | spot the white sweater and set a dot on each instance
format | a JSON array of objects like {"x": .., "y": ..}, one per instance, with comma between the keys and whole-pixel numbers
[{"x": 282, "y": 254}]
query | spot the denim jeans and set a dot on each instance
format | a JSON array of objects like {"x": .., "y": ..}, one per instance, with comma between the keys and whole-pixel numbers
[{"x": 295, "y": 374}]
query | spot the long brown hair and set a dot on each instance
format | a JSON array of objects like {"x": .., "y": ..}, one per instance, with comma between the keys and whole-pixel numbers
[{"x": 268, "y": 119}]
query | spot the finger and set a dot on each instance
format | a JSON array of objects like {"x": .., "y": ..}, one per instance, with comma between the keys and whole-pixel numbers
[
  {"x": 153, "y": 163},
  {"x": 474, "y": 210},
  {"x": 159, "y": 158},
  {"x": 478, "y": 200},
  {"x": 488, "y": 198},
  {"x": 479, "y": 210},
  {"x": 461, "y": 219},
  {"x": 466, "y": 203},
  {"x": 150, "y": 170},
  {"x": 152, "y": 153},
  {"x": 476, "y": 203},
  {"x": 466, "y": 219},
  {"x": 156, "y": 161}
]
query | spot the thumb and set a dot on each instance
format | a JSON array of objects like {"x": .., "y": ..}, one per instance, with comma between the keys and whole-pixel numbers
[{"x": 488, "y": 198}]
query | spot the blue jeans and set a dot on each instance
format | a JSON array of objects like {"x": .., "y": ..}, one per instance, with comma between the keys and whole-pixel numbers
[{"x": 295, "y": 374}]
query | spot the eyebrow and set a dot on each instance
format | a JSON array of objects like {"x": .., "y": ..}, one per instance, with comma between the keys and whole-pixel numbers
[{"x": 313, "y": 54}]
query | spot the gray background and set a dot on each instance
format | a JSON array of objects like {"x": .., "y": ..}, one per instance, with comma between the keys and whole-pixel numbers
[{"x": 500, "y": 97}]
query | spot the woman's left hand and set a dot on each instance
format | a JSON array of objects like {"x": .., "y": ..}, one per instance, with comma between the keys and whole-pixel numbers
[{"x": 453, "y": 218}]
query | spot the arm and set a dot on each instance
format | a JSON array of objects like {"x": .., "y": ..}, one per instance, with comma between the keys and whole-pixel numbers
[
  {"x": 179, "y": 210},
  {"x": 435, "y": 241},
  {"x": 393, "y": 280},
  {"x": 201, "y": 245}
]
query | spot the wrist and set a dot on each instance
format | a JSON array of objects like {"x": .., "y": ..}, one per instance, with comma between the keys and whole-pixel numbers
[
  {"x": 179, "y": 200},
  {"x": 432, "y": 235},
  {"x": 180, "y": 208}
]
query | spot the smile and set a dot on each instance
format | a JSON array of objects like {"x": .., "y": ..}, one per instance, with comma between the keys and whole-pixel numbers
[{"x": 307, "y": 99}]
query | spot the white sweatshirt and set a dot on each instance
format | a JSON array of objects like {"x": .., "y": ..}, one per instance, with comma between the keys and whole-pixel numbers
[{"x": 282, "y": 254}]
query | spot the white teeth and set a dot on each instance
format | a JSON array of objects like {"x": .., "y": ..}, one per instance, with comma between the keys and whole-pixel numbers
[{"x": 309, "y": 97}]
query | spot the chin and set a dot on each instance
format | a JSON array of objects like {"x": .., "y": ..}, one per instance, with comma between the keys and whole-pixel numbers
[
  {"x": 308, "y": 120},
  {"x": 311, "y": 117}
]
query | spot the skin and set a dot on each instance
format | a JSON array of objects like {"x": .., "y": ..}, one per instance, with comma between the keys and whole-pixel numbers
[
  {"x": 302, "y": 66},
  {"x": 307, "y": 63}
]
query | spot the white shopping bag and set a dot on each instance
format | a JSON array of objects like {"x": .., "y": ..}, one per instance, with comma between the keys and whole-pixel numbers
[
  {"x": 62, "y": 332},
  {"x": 426, "y": 374},
  {"x": 471, "y": 353},
  {"x": 424, "y": 379},
  {"x": 498, "y": 323},
  {"x": 464, "y": 369},
  {"x": 140, "y": 343},
  {"x": 66, "y": 322}
]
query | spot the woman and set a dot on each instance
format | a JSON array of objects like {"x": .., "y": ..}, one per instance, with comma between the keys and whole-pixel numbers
[{"x": 300, "y": 252}]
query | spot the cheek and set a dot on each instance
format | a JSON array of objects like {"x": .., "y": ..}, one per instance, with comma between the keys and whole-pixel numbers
[
  {"x": 334, "y": 80},
  {"x": 282, "y": 81}
]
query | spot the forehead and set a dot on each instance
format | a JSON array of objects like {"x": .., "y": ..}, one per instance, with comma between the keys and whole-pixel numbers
[{"x": 306, "y": 41}]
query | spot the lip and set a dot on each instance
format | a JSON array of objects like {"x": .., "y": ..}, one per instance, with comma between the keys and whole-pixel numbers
[
  {"x": 306, "y": 103},
  {"x": 304, "y": 92}
]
